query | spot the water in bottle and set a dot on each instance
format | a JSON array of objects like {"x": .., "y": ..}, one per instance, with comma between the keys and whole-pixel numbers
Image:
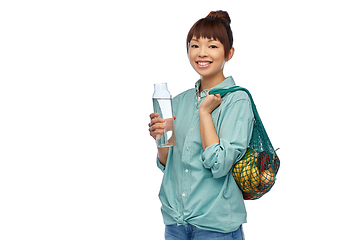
[{"x": 163, "y": 106}]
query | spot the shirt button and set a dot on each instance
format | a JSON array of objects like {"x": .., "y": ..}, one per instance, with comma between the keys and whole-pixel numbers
[
  {"x": 183, "y": 194},
  {"x": 187, "y": 149},
  {"x": 186, "y": 170}
]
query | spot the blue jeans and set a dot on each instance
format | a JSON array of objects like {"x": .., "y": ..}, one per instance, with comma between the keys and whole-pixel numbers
[{"x": 189, "y": 232}]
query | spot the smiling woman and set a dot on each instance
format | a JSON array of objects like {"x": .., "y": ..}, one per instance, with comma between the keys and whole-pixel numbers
[
  {"x": 209, "y": 46},
  {"x": 207, "y": 58},
  {"x": 207, "y": 143}
]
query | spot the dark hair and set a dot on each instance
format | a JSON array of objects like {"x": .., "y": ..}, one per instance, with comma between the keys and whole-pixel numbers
[{"x": 216, "y": 26}]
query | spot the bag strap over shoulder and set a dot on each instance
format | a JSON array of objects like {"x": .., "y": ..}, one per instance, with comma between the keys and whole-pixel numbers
[{"x": 224, "y": 91}]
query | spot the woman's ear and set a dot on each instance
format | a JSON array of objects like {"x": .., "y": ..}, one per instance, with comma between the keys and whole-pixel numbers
[{"x": 231, "y": 54}]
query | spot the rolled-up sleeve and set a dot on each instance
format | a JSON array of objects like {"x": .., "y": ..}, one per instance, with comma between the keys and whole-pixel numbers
[
  {"x": 159, "y": 164},
  {"x": 234, "y": 129}
]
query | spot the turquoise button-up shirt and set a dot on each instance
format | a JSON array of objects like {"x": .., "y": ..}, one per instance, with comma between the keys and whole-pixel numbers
[{"x": 198, "y": 187}]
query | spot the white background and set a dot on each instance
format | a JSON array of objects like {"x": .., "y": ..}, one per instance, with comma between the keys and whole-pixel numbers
[{"x": 76, "y": 158}]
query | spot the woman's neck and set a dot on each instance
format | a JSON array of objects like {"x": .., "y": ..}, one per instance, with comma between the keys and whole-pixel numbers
[{"x": 210, "y": 82}]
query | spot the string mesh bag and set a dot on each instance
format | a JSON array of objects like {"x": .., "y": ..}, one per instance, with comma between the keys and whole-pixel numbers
[{"x": 255, "y": 173}]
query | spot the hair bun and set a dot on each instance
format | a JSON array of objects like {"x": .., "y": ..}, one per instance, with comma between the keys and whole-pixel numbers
[{"x": 220, "y": 14}]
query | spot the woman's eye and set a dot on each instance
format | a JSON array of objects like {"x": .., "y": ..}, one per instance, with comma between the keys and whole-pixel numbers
[
  {"x": 213, "y": 46},
  {"x": 194, "y": 46}
]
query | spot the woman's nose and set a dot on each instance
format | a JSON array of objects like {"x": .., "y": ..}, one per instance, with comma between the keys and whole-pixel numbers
[{"x": 202, "y": 52}]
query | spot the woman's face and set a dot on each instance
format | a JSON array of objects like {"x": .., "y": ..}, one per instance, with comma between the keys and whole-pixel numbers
[{"x": 207, "y": 56}]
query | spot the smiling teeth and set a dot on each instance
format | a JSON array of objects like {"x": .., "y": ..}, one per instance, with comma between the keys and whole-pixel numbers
[{"x": 203, "y": 63}]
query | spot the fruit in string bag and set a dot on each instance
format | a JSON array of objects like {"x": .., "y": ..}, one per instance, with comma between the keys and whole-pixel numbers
[
  {"x": 239, "y": 166},
  {"x": 267, "y": 177},
  {"x": 246, "y": 173},
  {"x": 254, "y": 173}
]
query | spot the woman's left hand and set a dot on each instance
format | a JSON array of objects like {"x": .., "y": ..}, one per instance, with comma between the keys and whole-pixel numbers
[{"x": 210, "y": 103}]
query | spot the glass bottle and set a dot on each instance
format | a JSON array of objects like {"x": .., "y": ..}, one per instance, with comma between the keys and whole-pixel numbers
[{"x": 162, "y": 106}]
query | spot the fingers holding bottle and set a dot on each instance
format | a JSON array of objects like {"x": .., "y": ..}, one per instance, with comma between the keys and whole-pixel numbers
[{"x": 158, "y": 125}]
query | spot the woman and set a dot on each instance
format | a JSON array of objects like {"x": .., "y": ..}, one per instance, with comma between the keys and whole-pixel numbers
[{"x": 199, "y": 196}]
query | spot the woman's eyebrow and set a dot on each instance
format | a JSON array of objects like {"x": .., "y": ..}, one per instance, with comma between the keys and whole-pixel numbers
[{"x": 209, "y": 40}]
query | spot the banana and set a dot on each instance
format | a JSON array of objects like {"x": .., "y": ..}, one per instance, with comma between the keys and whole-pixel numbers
[
  {"x": 248, "y": 157},
  {"x": 246, "y": 173},
  {"x": 255, "y": 176},
  {"x": 249, "y": 178}
]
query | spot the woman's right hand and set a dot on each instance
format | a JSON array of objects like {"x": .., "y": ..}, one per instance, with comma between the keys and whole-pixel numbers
[{"x": 157, "y": 125}]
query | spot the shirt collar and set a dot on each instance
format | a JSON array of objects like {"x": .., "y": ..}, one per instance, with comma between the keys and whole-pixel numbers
[{"x": 228, "y": 82}]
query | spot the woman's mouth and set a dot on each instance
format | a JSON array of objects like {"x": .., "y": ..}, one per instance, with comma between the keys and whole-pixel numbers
[{"x": 203, "y": 64}]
